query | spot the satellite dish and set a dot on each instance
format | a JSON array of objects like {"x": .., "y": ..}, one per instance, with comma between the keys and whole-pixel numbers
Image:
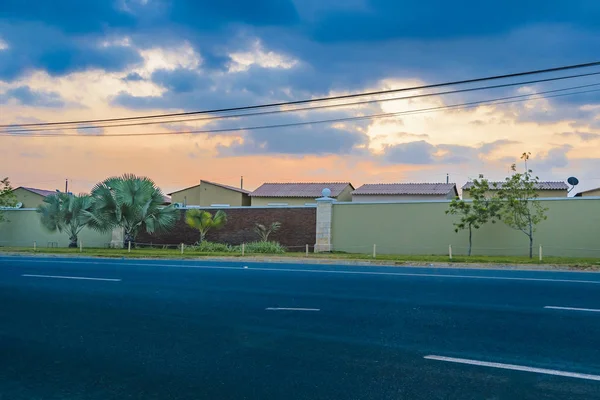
[
  {"x": 19, "y": 205},
  {"x": 573, "y": 182}
]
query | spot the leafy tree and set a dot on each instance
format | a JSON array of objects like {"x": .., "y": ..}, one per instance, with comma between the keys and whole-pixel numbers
[
  {"x": 64, "y": 212},
  {"x": 204, "y": 221},
  {"x": 521, "y": 209},
  {"x": 7, "y": 198},
  {"x": 263, "y": 231},
  {"x": 473, "y": 214},
  {"x": 133, "y": 203}
]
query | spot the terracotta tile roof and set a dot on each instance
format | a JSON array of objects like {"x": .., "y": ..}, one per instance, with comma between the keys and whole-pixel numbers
[
  {"x": 405, "y": 189},
  {"x": 547, "y": 185},
  {"x": 41, "y": 192},
  {"x": 308, "y": 190}
]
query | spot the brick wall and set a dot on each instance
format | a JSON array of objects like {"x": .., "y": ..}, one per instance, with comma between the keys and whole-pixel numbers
[{"x": 297, "y": 227}]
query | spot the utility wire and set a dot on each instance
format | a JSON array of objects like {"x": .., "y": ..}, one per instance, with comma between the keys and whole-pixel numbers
[
  {"x": 348, "y": 96},
  {"x": 500, "y": 100},
  {"x": 310, "y": 108}
]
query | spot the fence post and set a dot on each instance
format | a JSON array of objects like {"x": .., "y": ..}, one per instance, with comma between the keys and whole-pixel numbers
[
  {"x": 129, "y": 246},
  {"x": 540, "y": 252},
  {"x": 181, "y": 248},
  {"x": 34, "y": 245},
  {"x": 243, "y": 248},
  {"x": 374, "y": 250},
  {"x": 450, "y": 251},
  {"x": 306, "y": 250}
]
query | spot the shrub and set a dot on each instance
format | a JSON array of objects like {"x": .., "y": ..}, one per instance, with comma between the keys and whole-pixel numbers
[
  {"x": 212, "y": 247},
  {"x": 265, "y": 248}
]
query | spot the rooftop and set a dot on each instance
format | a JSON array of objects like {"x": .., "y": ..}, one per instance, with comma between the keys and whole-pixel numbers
[
  {"x": 308, "y": 190},
  {"x": 405, "y": 189},
  {"x": 41, "y": 192},
  {"x": 546, "y": 185},
  {"x": 214, "y": 184}
]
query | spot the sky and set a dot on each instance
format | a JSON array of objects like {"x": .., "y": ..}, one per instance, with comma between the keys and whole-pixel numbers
[{"x": 72, "y": 60}]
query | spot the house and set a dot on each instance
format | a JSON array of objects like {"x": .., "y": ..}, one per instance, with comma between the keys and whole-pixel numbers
[
  {"x": 210, "y": 194},
  {"x": 544, "y": 189},
  {"x": 589, "y": 193},
  {"x": 31, "y": 197},
  {"x": 380, "y": 192},
  {"x": 298, "y": 194}
]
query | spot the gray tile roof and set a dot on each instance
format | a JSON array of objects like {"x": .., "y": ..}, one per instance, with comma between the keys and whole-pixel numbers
[
  {"x": 547, "y": 185},
  {"x": 41, "y": 192},
  {"x": 405, "y": 189},
  {"x": 308, "y": 190}
]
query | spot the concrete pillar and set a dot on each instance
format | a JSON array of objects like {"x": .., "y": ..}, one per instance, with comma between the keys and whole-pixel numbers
[{"x": 324, "y": 217}]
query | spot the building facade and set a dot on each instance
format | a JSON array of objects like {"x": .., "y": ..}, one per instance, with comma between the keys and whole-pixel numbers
[
  {"x": 299, "y": 194},
  {"x": 208, "y": 194}
]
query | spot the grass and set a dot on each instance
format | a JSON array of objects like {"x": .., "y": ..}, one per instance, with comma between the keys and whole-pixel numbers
[{"x": 578, "y": 262}]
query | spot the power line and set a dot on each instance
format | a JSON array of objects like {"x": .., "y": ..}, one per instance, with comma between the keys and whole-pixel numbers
[
  {"x": 310, "y": 108},
  {"x": 500, "y": 100},
  {"x": 348, "y": 96}
]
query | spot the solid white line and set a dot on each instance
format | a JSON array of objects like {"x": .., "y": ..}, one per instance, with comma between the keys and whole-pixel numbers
[
  {"x": 515, "y": 367},
  {"x": 500, "y": 278},
  {"x": 572, "y": 309},
  {"x": 291, "y": 309},
  {"x": 71, "y": 277}
]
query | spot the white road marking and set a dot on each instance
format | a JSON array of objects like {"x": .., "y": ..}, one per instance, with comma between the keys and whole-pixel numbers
[
  {"x": 572, "y": 309},
  {"x": 291, "y": 309},
  {"x": 71, "y": 277},
  {"x": 515, "y": 367},
  {"x": 501, "y": 278}
]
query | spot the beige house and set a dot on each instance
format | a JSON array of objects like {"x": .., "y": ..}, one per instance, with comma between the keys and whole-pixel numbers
[
  {"x": 589, "y": 193},
  {"x": 299, "y": 194},
  {"x": 211, "y": 194},
  {"x": 31, "y": 197},
  {"x": 544, "y": 189},
  {"x": 382, "y": 192}
]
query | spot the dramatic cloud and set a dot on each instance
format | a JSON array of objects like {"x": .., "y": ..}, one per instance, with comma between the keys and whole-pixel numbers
[
  {"x": 28, "y": 97},
  {"x": 584, "y": 136}
]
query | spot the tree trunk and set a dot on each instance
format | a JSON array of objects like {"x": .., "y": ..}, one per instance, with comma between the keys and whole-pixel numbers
[
  {"x": 470, "y": 240},
  {"x": 202, "y": 236},
  {"x": 128, "y": 238},
  {"x": 73, "y": 242},
  {"x": 530, "y": 240}
]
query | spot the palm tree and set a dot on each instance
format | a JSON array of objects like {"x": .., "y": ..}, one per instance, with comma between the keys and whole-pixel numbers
[
  {"x": 263, "y": 231},
  {"x": 204, "y": 221},
  {"x": 133, "y": 203},
  {"x": 64, "y": 212}
]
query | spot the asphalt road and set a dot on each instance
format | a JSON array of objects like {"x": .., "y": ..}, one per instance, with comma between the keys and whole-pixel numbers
[{"x": 174, "y": 329}]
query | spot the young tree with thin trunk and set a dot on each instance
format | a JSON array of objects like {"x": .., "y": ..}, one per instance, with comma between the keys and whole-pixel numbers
[
  {"x": 482, "y": 208},
  {"x": 521, "y": 208},
  {"x": 7, "y": 198}
]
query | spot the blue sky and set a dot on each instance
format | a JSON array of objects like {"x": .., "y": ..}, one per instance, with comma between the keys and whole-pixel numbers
[{"x": 69, "y": 59}]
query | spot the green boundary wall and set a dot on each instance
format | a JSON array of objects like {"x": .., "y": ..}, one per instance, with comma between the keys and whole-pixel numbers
[
  {"x": 23, "y": 228},
  {"x": 571, "y": 230}
]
